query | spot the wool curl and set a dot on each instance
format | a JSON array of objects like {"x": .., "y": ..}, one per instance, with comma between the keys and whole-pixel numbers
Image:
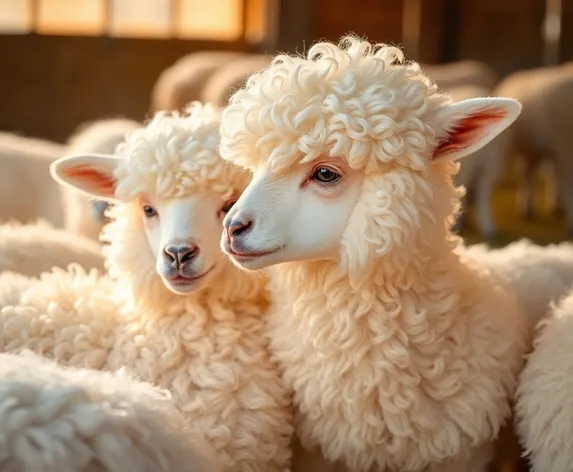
[
  {"x": 356, "y": 100},
  {"x": 175, "y": 155},
  {"x": 402, "y": 354}
]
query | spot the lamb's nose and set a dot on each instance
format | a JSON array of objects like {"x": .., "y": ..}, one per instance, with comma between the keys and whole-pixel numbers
[
  {"x": 237, "y": 227},
  {"x": 179, "y": 253}
]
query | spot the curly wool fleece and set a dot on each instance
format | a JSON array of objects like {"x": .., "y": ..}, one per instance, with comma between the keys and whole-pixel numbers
[{"x": 402, "y": 355}]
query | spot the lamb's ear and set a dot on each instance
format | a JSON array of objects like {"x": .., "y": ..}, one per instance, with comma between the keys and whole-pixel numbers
[
  {"x": 468, "y": 125},
  {"x": 90, "y": 174}
]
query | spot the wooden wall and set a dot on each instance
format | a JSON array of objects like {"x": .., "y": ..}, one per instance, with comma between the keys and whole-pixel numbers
[{"x": 50, "y": 84}]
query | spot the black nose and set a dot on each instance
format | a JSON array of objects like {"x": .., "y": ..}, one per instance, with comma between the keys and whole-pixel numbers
[
  {"x": 179, "y": 253},
  {"x": 235, "y": 228}
]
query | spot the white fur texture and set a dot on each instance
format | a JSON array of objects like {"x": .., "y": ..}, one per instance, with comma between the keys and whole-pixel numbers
[
  {"x": 209, "y": 345},
  {"x": 31, "y": 249},
  {"x": 402, "y": 354},
  {"x": 57, "y": 419},
  {"x": 540, "y": 275},
  {"x": 545, "y": 393}
]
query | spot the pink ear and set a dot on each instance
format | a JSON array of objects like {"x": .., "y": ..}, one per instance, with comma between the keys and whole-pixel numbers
[
  {"x": 471, "y": 124},
  {"x": 97, "y": 181},
  {"x": 90, "y": 174}
]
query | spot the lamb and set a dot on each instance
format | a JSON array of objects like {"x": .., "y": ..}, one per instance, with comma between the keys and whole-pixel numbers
[
  {"x": 481, "y": 172},
  {"x": 85, "y": 216},
  {"x": 173, "y": 309},
  {"x": 183, "y": 82},
  {"x": 468, "y": 72},
  {"x": 57, "y": 419},
  {"x": 402, "y": 353},
  {"x": 544, "y": 393},
  {"x": 543, "y": 131},
  {"x": 25, "y": 164},
  {"x": 231, "y": 77},
  {"x": 35, "y": 248}
]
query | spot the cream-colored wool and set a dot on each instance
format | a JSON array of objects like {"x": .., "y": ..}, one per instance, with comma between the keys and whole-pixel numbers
[
  {"x": 27, "y": 192},
  {"x": 35, "y": 248},
  {"x": 541, "y": 275},
  {"x": 57, "y": 419},
  {"x": 183, "y": 81},
  {"x": 85, "y": 216},
  {"x": 402, "y": 354},
  {"x": 543, "y": 131},
  {"x": 545, "y": 393},
  {"x": 209, "y": 347}
]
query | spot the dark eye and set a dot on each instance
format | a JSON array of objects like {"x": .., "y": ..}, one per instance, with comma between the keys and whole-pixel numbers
[
  {"x": 325, "y": 175},
  {"x": 226, "y": 208},
  {"x": 149, "y": 211}
]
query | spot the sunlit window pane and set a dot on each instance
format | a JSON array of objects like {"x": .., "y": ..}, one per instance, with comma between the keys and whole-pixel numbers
[
  {"x": 71, "y": 16},
  {"x": 140, "y": 18},
  {"x": 210, "y": 19},
  {"x": 256, "y": 20},
  {"x": 15, "y": 16}
]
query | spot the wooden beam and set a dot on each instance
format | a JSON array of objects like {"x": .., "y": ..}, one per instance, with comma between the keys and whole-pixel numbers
[
  {"x": 296, "y": 28},
  {"x": 411, "y": 28},
  {"x": 552, "y": 32}
]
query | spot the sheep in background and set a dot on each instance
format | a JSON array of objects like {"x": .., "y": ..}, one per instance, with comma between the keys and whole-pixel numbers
[
  {"x": 543, "y": 131},
  {"x": 84, "y": 215},
  {"x": 183, "y": 81},
  {"x": 27, "y": 191},
  {"x": 58, "y": 419},
  {"x": 481, "y": 171},
  {"x": 467, "y": 72},
  {"x": 402, "y": 354},
  {"x": 231, "y": 77},
  {"x": 35, "y": 248}
]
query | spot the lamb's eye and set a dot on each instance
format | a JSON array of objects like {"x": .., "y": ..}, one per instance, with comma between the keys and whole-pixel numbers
[
  {"x": 325, "y": 175},
  {"x": 226, "y": 208},
  {"x": 149, "y": 211}
]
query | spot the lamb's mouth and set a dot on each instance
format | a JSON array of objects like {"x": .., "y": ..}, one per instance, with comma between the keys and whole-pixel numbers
[
  {"x": 249, "y": 256},
  {"x": 184, "y": 280}
]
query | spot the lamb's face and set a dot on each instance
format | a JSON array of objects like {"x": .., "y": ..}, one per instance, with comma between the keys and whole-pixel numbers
[
  {"x": 299, "y": 214},
  {"x": 183, "y": 236}
]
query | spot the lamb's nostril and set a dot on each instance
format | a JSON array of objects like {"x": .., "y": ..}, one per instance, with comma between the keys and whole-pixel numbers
[
  {"x": 237, "y": 228},
  {"x": 178, "y": 254}
]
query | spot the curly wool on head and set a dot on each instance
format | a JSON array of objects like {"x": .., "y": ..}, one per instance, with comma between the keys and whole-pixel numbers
[
  {"x": 356, "y": 100},
  {"x": 174, "y": 155}
]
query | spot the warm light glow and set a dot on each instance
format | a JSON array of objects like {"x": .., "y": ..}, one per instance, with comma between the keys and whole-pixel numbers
[
  {"x": 210, "y": 19},
  {"x": 15, "y": 16},
  {"x": 140, "y": 18},
  {"x": 189, "y": 19},
  {"x": 71, "y": 17}
]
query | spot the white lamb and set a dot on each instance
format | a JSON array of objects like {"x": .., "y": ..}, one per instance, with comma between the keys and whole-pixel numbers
[
  {"x": 402, "y": 354},
  {"x": 83, "y": 215},
  {"x": 57, "y": 419},
  {"x": 26, "y": 190},
  {"x": 545, "y": 393},
  {"x": 174, "y": 310}
]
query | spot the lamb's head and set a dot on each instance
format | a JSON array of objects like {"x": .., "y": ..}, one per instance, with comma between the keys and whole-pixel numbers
[
  {"x": 352, "y": 152},
  {"x": 171, "y": 191}
]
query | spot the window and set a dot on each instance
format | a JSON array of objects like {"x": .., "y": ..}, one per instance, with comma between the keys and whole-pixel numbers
[{"x": 223, "y": 20}]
